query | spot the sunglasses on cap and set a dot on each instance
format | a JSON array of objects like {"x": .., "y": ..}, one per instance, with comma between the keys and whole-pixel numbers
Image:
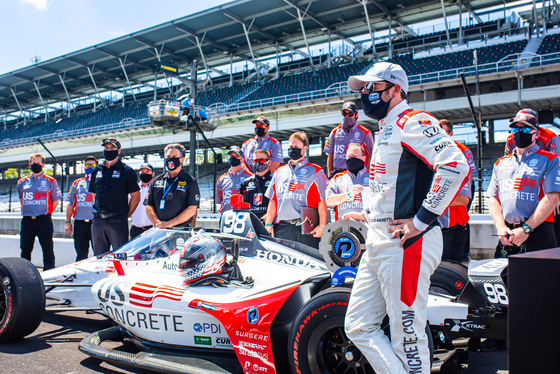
[
  {"x": 260, "y": 160},
  {"x": 524, "y": 129},
  {"x": 370, "y": 87}
]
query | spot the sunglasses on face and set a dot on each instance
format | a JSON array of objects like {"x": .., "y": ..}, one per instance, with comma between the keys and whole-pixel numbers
[
  {"x": 524, "y": 129},
  {"x": 92, "y": 165},
  {"x": 370, "y": 87},
  {"x": 260, "y": 161},
  {"x": 347, "y": 114}
]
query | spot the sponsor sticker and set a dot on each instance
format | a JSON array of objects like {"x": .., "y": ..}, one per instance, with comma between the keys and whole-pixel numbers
[{"x": 202, "y": 340}]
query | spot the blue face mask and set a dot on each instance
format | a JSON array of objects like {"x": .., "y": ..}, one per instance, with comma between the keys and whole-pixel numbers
[{"x": 88, "y": 170}]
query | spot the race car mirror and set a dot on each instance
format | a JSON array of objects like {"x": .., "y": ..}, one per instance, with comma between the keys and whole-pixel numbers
[{"x": 342, "y": 245}]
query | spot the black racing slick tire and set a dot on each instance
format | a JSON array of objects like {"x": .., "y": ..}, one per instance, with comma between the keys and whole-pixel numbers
[
  {"x": 450, "y": 278},
  {"x": 22, "y": 299},
  {"x": 318, "y": 343}
]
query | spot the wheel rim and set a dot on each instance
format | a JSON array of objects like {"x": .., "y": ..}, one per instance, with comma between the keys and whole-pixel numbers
[
  {"x": 331, "y": 352},
  {"x": 3, "y": 304}
]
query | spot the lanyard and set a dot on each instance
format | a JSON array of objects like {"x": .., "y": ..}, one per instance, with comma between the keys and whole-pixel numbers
[{"x": 166, "y": 190}]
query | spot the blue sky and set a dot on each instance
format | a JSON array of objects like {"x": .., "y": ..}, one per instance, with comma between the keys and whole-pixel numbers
[{"x": 50, "y": 28}]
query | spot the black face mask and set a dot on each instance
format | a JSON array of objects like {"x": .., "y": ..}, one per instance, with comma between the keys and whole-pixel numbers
[
  {"x": 354, "y": 165},
  {"x": 522, "y": 140},
  {"x": 374, "y": 106},
  {"x": 260, "y": 131},
  {"x": 234, "y": 161},
  {"x": 110, "y": 155},
  {"x": 261, "y": 167},
  {"x": 294, "y": 153},
  {"x": 36, "y": 168},
  {"x": 172, "y": 163},
  {"x": 145, "y": 177},
  {"x": 348, "y": 122}
]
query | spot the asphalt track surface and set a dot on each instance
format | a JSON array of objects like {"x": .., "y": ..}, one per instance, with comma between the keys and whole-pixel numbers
[{"x": 53, "y": 348}]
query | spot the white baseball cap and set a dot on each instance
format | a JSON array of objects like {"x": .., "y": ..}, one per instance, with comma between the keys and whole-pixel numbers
[{"x": 380, "y": 71}]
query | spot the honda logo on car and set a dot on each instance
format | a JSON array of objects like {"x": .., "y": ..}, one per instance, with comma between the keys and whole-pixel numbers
[
  {"x": 285, "y": 259},
  {"x": 207, "y": 328}
]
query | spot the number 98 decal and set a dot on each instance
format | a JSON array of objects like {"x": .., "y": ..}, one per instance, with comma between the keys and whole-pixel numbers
[
  {"x": 234, "y": 222},
  {"x": 496, "y": 293}
]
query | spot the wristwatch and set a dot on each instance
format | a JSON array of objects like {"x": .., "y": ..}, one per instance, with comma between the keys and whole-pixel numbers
[{"x": 528, "y": 229}]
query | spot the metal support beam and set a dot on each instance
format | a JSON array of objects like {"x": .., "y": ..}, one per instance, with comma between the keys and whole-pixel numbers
[
  {"x": 95, "y": 85},
  {"x": 126, "y": 77},
  {"x": 67, "y": 94},
  {"x": 251, "y": 50},
  {"x": 199, "y": 45},
  {"x": 461, "y": 22},
  {"x": 446, "y": 25},
  {"x": 300, "y": 19},
  {"x": 158, "y": 55},
  {"x": 19, "y": 106},
  {"x": 371, "y": 30},
  {"x": 42, "y": 101},
  {"x": 390, "y": 29},
  {"x": 472, "y": 12}
]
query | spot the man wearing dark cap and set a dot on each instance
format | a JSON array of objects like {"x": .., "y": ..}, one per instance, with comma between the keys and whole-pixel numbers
[
  {"x": 349, "y": 131},
  {"x": 139, "y": 220},
  {"x": 524, "y": 191},
  {"x": 174, "y": 196},
  {"x": 111, "y": 183},
  {"x": 262, "y": 141},
  {"x": 229, "y": 183},
  {"x": 546, "y": 139}
]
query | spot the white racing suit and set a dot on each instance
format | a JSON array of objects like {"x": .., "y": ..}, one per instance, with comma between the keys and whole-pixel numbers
[{"x": 416, "y": 171}]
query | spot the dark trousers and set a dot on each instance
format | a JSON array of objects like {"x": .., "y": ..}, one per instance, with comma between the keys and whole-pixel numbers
[
  {"x": 455, "y": 243},
  {"x": 292, "y": 232},
  {"x": 41, "y": 227},
  {"x": 135, "y": 230},
  {"x": 107, "y": 232},
  {"x": 82, "y": 239},
  {"x": 542, "y": 237}
]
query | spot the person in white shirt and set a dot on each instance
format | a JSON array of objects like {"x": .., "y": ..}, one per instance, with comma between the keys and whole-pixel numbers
[{"x": 139, "y": 219}]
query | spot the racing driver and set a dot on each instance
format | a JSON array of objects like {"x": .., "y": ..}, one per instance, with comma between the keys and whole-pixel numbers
[{"x": 416, "y": 170}]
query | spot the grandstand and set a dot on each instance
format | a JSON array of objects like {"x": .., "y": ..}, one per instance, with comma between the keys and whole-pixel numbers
[{"x": 286, "y": 83}]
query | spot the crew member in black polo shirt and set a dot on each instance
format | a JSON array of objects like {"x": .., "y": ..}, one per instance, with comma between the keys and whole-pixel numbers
[
  {"x": 174, "y": 196},
  {"x": 254, "y": 187},
  {"x": 112, "y": 182}
]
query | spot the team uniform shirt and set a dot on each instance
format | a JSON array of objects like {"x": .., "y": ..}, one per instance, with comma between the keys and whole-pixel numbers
[
  {"x": 519, "y": 183},
  {"x": 338, "y": 140},
  {"x": 81, "y": 199},
  {"x": 38, "y": 194},
  {"x": 182, "y": 192},
  {"x": 459, "y": 214},
  {"x": 293, "y": 188},
  {"x": 111, "y": 188},
  {"x": 547, "y": 141},
  {"x": 228, "y": 184},
  {"x": 416, "y": 170},
  {"x": 253, "y": 190},
  {"x": 140, "y": 218},
  {"x": 469, "y": 156},
  {"x": 268, "y": 143},
  {"x": 342, "y": 183}
]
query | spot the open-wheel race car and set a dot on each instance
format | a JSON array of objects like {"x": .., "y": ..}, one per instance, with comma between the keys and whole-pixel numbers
[{"x": 273, "y": 308}]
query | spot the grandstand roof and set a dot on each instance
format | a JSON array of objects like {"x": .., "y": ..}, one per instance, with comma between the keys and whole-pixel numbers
[{"x": 219, "y": 33}]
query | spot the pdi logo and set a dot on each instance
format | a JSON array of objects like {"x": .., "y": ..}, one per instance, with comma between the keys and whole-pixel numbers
[{"x": 211, "y": 328}]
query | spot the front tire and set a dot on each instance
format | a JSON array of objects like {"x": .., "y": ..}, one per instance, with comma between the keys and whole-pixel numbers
[
  {"x": 318, "y": 343},
  {"x": 22, "y": 299},
  {"x": 449, "y": 278}
]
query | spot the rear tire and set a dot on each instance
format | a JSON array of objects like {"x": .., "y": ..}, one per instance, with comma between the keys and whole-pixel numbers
[
  {"x": 22, "y": 299},
  {"x": 450, "y": 278}
]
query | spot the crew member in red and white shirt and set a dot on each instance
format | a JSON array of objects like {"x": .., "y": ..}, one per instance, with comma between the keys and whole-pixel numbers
[
  {"x": 350, "y": 131},
  {"x": 39, "y": 196},
  {"x": 295, "y": 185},
  {"x": 229, "y": 183},
  {"x": 348, "y": 189},
  {"x": 80, "y": 207},
  {"x": 262, "y": 140},
  {"x": 454, "y": 222}
]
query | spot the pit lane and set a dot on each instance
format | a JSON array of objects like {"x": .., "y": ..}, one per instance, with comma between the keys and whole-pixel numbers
[{"x": 53, "y": 348}]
